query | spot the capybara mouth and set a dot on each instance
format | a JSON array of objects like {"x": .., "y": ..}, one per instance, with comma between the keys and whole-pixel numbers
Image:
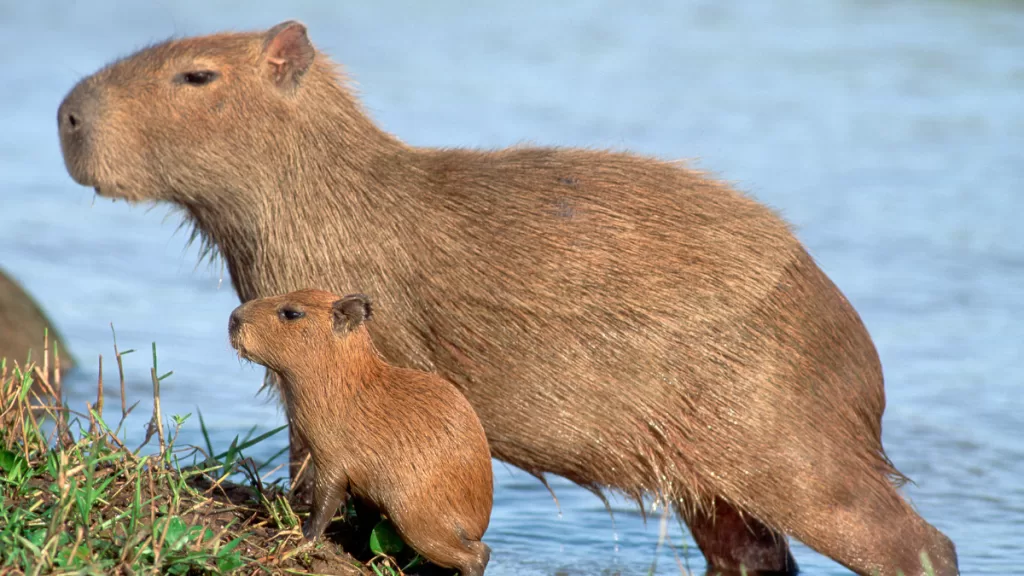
[
  {"x": 239, "y": 346},
  {"x": 242, "y": 353},
  {"x": 80, "y": 178},
  {"x": 115, "y": 192}
]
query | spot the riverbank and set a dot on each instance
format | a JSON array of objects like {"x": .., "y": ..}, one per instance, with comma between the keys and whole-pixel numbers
[{"x": 77, "y": 499}]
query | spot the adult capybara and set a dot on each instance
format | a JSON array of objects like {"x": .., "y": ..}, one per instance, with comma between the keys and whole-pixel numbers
[
  {"x": 24, "y": 330},
  {"x": 624, "y": 322},
  {"x": 405, "y": 440}
]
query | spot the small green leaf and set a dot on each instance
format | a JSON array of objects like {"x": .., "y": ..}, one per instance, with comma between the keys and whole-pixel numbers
[
  {"x": 228, "y": 562},
  {"x": 8, "y": 459},
  {"x": 176, "y": 529},
  {"x": 15, "y": 465},
  {"x": 178, "y": 569},
  {"x": 37, "y": 537},
  {"x": 384, "y": 539},
  {"x": 227, "y": 548},
  {"x": 416, "y": 561}
]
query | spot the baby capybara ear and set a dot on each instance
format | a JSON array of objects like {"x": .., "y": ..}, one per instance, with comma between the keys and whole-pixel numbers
[
  {"x": 351, "y": 311},
  {"x": 288, "y": 52}
]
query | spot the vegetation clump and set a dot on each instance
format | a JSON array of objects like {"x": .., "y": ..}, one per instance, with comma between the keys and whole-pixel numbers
[{"x": 75, "y": 499}]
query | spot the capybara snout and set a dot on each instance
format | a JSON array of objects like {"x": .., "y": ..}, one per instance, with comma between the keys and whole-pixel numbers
[{"x": 75, "y": 117}]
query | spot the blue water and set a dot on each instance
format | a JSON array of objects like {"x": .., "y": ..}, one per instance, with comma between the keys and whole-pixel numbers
[{"x": 891, "y": 133}]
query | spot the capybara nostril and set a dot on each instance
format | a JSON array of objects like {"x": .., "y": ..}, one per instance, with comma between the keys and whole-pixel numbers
[
  {"x": 68, "y": 121},
  {"x": 78, "y": 109},
  {"x": 71, "y": 117}
]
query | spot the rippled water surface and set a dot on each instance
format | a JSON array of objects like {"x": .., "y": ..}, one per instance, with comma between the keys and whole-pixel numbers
[{"x": 891, "y": 134}]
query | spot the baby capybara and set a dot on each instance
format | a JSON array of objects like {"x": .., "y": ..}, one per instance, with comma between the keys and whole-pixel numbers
[
  {"x": 405, "y": 440},
  {"x": 621, "y": 321}
]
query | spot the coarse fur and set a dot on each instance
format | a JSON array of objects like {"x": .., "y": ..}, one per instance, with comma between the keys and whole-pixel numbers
[
  {"x": 624, "y": 322},
  {"x": 405, "y": 440}
]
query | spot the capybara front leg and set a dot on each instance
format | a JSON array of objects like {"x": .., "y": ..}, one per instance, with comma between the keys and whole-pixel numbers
[
  {"x": 732, "y": 543},
  {"x": 301, "y": 487},
  {"x": 328, "y": 495}
]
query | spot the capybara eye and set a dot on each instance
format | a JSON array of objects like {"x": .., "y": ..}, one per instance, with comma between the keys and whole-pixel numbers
[
  {"x": 289, "y": 313},
  {"x": 196, "y": 77}
]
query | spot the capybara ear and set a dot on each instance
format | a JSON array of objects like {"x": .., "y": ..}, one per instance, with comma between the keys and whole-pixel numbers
[
  {"x": 288, "y": 52},
  {"x": 351, "y": 311}
]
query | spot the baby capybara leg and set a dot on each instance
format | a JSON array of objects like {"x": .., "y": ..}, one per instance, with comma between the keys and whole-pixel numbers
[
  {"x": 862, "y": 522},
  {"x": 328, "y": 495},
  {"x": 735, "y": 544},
  {"x": 301, "y": 487}
]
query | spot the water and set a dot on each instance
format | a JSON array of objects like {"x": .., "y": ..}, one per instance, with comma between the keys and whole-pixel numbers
[{"x": 889, "y": 133}]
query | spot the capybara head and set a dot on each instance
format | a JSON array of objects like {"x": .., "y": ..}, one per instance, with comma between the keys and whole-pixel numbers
[
  {"x": 192, "y": 117},
  {"x": 275, "y": 331}
]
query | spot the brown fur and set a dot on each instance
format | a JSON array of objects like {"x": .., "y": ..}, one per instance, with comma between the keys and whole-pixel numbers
[
  {"x": 24, "y": 329},
  {"x": 405, "y": 440},
  {"x": 621, "y": 321}
]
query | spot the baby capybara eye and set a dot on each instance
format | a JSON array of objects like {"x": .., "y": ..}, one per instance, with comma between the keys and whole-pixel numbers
[
  {"x": 196, "y": 77},
  {"x": 289, "y": 313}
]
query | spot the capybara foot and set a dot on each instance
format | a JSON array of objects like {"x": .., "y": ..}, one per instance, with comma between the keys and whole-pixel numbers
[
  {"x": 862, "y": 522},
  {"x": 941, "y": 555},
  {"x": 309, "y": 531}
]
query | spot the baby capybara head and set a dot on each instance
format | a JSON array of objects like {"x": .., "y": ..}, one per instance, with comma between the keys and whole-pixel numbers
[
  {"x": 191, "y": 117},
  {"x": 278, "y": 330}
]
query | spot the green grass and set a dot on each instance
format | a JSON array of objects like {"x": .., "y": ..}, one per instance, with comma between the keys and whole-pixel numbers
[{"x": 74, "y": 499}]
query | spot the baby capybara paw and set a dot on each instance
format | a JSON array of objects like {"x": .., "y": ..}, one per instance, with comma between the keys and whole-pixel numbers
[{"x": 309, "y": 532}]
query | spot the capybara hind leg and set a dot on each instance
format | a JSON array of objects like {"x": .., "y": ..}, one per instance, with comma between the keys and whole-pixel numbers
[
  {"x": 445, "y": 547},
  {"x": 734, "y": 544},
  {"x": 473, "y": 558},
  {"x": 869, "y": 528}
]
